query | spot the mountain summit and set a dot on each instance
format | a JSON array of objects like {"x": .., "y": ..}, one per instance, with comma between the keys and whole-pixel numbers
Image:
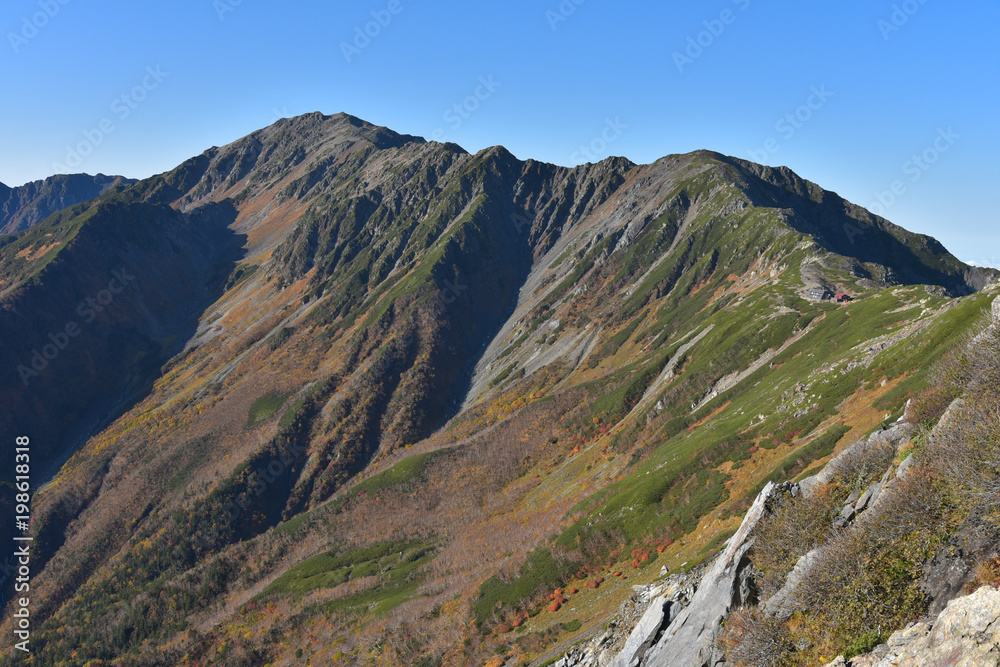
[{"x": 352, "y": 393}]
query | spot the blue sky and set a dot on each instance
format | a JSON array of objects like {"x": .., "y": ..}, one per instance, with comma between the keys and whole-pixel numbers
[{"x": 862, "y": 98}]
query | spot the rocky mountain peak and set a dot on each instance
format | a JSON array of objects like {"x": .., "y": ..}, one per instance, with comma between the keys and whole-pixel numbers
[{"x": 359, "y": 376}]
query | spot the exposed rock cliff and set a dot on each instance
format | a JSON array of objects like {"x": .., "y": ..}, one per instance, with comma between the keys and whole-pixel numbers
[{"x": 966, "y": 634}]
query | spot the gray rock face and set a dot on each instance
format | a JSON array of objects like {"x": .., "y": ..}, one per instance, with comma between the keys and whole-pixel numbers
[
  {"x": 949, "y": 570},
  {"x": 905, "y": 466},
  {"x": 667, "y": 595},
  {"x": 846, "y": 516},
  {"x": 807, "y": 487},
  {"x": 647, "y": 632},
  {"x": 947, "y": 420},
  {"x": 894, "y": 435},
  {"x": 966, "y": 634},
  {"x": 689, "y": 640},
  {"x": 781, "y": 604},
  {"x": 874, "y": 492},
  {"x": 825, "y": 476}
]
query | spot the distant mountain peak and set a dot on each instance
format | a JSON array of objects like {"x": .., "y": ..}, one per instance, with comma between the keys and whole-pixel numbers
[{"x": 26, "y": 205}]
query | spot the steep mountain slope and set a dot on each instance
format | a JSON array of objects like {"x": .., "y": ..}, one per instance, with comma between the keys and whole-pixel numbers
[
  {"x": 436, "y": 386},
  {"x": 892, "y": 532},
  {"x": 24, "y": 206}
]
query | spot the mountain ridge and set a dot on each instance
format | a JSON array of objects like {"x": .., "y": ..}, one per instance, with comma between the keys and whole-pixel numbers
[
  {"x": 373, "y": 320},
  {"x": 28, "y": 204}
]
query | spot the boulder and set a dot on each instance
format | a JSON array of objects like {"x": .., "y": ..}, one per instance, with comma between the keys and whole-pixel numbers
[
  {"x": 894, "y": 435},
  {"x": 845, "y": 517},
  {"x": 807, "y": 487},
  {"x": 871, "y": 494}
]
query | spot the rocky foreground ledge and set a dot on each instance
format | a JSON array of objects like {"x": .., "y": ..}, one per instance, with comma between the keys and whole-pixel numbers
[
  {"x": 965, "y": 634},
  {"x": 683, "y": 618}
]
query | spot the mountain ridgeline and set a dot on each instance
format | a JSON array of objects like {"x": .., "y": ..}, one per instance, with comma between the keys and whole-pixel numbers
[
  {"x": 305, "y": 370},
  {"x": 26, "y": 205}
]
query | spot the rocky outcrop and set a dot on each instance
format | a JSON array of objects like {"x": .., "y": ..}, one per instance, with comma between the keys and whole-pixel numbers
[
  {"x": 782, "y": 604},
  {"x": 639, "y": 622},
  {"x": 966, "y": 634},
  {"x": 646, "y": 634},
  {"x": 690, "y": 638},
  {"x": 683, "y": 612},
  {"x": 894, "y": 436},
  {"x": 953, "y": 567}
]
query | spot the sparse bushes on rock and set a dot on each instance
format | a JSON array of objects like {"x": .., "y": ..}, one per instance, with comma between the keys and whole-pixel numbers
[
  {"x": 968, "y": 451},
  {"x": 860, "y": 587},
  {"x": 862, "y": 581},
  {"x": 750, "y": 639},
  {"x": 862, "y": 463},
  {"x": 796, "y": 526},
  {"x": 950, "y": 374},
  {"x": 911, "y": 507},
  {"x": 986, "y": 573}
]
